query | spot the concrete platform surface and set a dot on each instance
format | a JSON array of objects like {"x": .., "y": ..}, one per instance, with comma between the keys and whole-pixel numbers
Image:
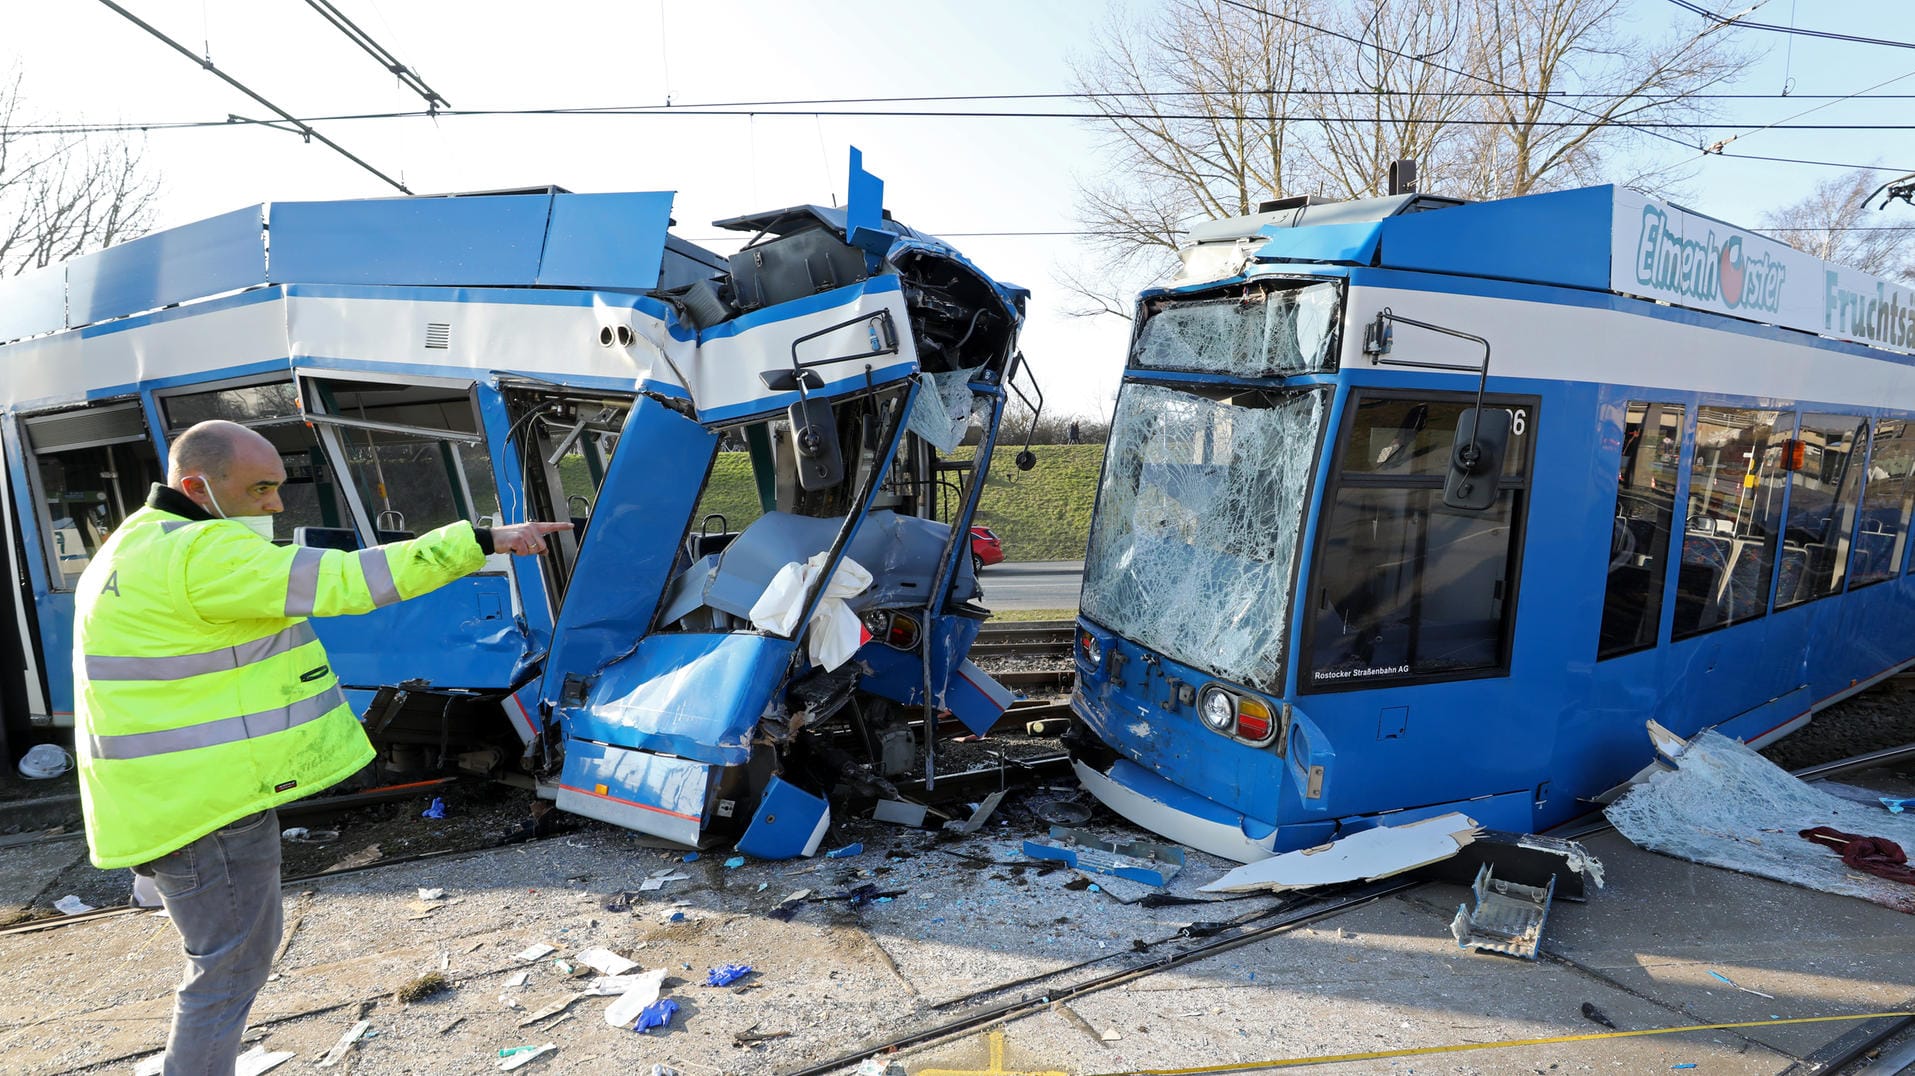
[{"x": 946, "y": 926}]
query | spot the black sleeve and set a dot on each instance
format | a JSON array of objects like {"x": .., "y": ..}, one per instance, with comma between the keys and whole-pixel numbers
[{"x": 484, "y": 535}]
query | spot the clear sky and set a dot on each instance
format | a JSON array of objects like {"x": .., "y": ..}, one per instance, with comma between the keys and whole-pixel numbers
[{"x": 951, "y": 176}]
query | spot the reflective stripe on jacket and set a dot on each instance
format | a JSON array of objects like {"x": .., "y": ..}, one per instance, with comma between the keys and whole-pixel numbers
[{"x": 201, "y": 693}]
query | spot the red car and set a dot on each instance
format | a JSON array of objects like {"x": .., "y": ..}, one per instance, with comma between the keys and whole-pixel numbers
[{"x": 985, "y": 548}]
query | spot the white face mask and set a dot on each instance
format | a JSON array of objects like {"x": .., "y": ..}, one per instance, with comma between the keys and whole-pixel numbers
[{"x": 260, "y": 525}]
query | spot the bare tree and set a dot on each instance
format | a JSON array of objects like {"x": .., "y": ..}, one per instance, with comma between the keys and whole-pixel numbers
[
  {"x": 62, "y": 195},
  {"x": 1834, "y": 223},
  {"x": 1215, "y": 105}
]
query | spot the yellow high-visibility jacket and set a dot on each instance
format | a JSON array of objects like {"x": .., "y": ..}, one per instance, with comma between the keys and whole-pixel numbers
[{"x": 201, "y": 693}]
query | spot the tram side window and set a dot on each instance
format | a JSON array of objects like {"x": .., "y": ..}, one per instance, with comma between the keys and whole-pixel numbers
[
  {"x": 94, "y": 468},
  {"x": 410, "y": 475},
  {"x": 1639, "y": 538},
  {"x": 1733, "y": 518},
  {"x": 1404, "y": 585},
  {"x": 311, "y": 495},
  {"x": 1881, "y": 538},
  {"x": 1825, "y": 487}
]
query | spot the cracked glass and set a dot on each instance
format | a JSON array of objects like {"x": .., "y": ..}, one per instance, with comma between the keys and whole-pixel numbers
[
  {"x": 1260, "y": 333},
  {"x": 1192, "y": 550}
]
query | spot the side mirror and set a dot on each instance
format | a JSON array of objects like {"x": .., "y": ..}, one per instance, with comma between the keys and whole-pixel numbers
[
  {"x": 1476, "y": 458},
  {"x": 814, "y": 436}
]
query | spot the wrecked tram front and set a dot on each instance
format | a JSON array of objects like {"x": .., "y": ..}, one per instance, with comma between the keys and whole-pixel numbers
[
  {"x": 714, "y": 675},
  {"x": 767, "y": 583}
]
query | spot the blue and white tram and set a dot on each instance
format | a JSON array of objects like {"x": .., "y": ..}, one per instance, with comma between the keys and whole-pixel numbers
[
  {"x": 423, "y": 360},
  {"x": 1413, "y": 506}
]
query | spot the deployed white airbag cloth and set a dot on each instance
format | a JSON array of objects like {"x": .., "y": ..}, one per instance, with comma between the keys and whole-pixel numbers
[
  {"x": 1373, "y": 853},
  {"x": 1726, "y": 806},
  {"x": 836, "y": 632}
]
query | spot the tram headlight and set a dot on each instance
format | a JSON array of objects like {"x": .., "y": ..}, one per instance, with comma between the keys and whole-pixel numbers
[
  {"x": 1093, "y": 650},
  {"x": 1218, "y": 709}
]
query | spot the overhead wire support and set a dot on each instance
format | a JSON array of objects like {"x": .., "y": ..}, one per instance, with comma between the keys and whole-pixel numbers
[
  {"x": 406, "y": 75},
  {"x": 1741, "y": 23},
  {"x": 305, "y": 130}
]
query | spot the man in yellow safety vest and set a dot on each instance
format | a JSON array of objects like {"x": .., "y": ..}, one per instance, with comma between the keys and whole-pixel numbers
[{"x": 203, "y": 701}]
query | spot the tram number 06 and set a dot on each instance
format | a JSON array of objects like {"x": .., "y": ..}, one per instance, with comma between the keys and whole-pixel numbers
[{"x": 1519, "y": 421}]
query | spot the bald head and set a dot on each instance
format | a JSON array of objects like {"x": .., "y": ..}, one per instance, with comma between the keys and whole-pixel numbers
[{"x": 227, "y": 469}]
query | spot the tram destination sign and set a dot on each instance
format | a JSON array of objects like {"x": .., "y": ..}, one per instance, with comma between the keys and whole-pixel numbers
[{"x": 1661, "y": 251}]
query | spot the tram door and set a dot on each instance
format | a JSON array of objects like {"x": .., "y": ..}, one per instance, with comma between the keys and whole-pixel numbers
[
  {"x": 86, "y": 469},
  {"x": 19, "y": 671},
  {"x": 411, "y": 455}
]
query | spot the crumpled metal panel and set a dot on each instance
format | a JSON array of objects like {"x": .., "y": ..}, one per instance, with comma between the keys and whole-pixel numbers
[
  {"x": 694, "y": 696},
  {"x": 1256, "y": 334},
  {"x": 1197, "y": 525}
]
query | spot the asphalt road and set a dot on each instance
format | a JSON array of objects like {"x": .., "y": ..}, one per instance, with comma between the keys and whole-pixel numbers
[{"x": 1036, "y": 584}]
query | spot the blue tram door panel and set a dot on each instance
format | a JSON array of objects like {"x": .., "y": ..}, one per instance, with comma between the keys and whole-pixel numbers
[
  {"x": 628, "y": 554},
  {"x": 459, "y": 636}
]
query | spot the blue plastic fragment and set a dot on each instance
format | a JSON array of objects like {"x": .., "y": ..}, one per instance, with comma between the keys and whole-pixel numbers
[
  {"x": 1897, "y": 806},
  {"x": 882, "y": 900},
  {"x": 735, "y": 861},
  {"x": 1684, "y": 1065},
  {"x": 1095, "y": 888},
  {"x": 846, "y": 852},
  {"x": 677, "y": 917},
  {"x": 726, "y": 974},
  {"x": 689, "y": 857},
  {"x": 437, "y": 810},
  {"x": 1720, "y": 976},
  {"x": 657, "y": 1014}
]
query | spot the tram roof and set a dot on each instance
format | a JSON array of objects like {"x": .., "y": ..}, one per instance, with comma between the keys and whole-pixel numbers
[
  {"x": 541, "y": 238},
  {"x": 1605, "y": 238}
]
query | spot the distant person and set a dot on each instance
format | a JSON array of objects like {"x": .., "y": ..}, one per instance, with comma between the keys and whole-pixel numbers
[
  {"x": 204, "y": 701},
  {"x": 1076, "y": 435}
]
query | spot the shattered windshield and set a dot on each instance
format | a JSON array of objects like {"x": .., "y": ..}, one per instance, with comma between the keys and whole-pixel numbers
[
  {"x": 1259, "y": 333},
  {"x": 1197, "y": 520}
]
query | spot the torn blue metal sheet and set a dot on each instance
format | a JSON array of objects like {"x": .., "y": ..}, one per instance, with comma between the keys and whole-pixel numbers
[
  {"x": 694, "y": 696},
  {"x": 206, "y": 257},
  {"x": 651, "y": 487},
  {"x": 1137, "y": 861},
  {"x": 975, "y": 699},
  {"x": 462, "y": 635},
  {"x": 789, "y": 823},
  {"x": 651, "y": 793},
  {"x": 417, "y": 241},
  {"x": 33, "y": 303},
  {"x": 1346, "y": 244},
  {"x": 605, "y": 240},
  {"x": 864, "y": 213}
]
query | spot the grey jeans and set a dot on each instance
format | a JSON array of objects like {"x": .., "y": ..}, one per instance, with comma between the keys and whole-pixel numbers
[{"x": 222, "y": 892}]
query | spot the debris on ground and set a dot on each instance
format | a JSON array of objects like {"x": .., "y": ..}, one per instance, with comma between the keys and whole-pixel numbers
[
  {"x": 604, "y": 961},
  {"x": 657, "y": 1014},
  {"x": 726, "y": 974},
  {"x": 345, "y": 1044},
  {"x": 1368, "y": 855},
  {"x": 1526, "y": 858},
  {"x": 524, "y": 1055},
  {"x": 638, "y": 995},
  {"x": 72, "y": 905},
  {"x": 1590, "y": 1012},
  {"x": 1722, "y": 802},
  {"x": 1738, "y": 986},
  {"x": 437, "y": 810},
  {"x": 846, "y": 852},
  {"x": 431, "y": 984},
  {"x": 1137, "y": 861},
  {"x": 535, "y": 951},
  {"x": 1508, "y": 917},
  {"x": 552, "y": 1009}
]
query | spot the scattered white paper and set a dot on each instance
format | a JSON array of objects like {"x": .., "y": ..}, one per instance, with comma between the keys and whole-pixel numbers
[
  {"x": 430, "y": 894},
  {"x": 605, "y": 962},
  {"x": 538, "y": 951},
  {"x": 642, "y": 992},
  {"x": 519, "y": 979},
  {"x": 72, "y": 905}
]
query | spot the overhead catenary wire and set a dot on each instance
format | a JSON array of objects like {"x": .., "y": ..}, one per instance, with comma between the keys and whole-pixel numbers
[
  {"x": 304, "y": 129},
  {"x": 1793, "y": 31},
  {"x": 406, "y": 75}
]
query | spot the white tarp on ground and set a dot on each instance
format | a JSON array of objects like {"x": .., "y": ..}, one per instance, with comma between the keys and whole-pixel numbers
[{"x": 1727, "y": 806}]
